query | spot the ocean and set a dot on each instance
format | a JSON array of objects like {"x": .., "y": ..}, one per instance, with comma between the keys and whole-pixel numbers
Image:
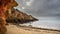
[{"x": 46, "y": 22}]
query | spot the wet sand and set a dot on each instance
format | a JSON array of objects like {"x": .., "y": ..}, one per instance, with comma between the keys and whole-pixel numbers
[{"x": 13, "y": 29}]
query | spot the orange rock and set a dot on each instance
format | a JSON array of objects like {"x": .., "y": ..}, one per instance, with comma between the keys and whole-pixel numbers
[{"x": 4, "y": 6}]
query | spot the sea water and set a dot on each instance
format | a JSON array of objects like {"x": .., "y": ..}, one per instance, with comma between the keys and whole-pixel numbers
[{"x": 46, "y": 22}]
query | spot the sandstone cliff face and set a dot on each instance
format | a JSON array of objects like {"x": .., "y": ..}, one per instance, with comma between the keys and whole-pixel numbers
[
  {"x": 17, "y": 16},
  {"x": 4, "y": 6}
]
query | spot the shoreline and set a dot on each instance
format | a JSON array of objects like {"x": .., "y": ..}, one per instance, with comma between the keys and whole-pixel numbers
[
  {"x": 39, "y": 28},
  {"x": 13, "y": 29}
]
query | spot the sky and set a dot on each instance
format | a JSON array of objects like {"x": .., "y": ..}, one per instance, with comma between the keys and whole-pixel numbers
[{"x": 40, "y": 7}]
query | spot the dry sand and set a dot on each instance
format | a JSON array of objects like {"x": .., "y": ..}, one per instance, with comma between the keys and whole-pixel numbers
[{"x": 12, "y": 29}]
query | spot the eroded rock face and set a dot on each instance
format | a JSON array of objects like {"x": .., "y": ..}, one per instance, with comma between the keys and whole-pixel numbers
[
  {"x": 4, "y": 6},
  {"x": 17, "y": 16}
]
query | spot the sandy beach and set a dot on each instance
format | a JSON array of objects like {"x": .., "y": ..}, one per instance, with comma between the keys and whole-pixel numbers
[{"x": 13, "y": 29}]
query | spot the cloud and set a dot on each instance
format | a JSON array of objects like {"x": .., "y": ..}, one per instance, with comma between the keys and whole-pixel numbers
[
  {"x": 46, "y": 7},
  {"x": 42, "y": 7}
]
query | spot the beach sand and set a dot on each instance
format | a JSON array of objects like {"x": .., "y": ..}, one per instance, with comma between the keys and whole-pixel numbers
[{"x": 13, "y": 29}]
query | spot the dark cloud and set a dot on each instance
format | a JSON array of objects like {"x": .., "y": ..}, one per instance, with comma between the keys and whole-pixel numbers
[
  {"x": 43, "y": 7},
  {"x": 47, "y": 7}
]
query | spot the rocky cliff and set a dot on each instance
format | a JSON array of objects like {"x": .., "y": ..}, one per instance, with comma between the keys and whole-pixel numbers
[{"x": 17, "y": 16}]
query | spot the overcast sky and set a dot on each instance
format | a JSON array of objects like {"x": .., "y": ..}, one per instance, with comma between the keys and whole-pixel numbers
[{"x": 40, "y": 7}]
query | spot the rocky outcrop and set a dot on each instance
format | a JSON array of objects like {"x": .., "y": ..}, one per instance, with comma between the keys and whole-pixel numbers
[
  {"x": 17, "y": 16},
  {"x": 4, "y": 6}
]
